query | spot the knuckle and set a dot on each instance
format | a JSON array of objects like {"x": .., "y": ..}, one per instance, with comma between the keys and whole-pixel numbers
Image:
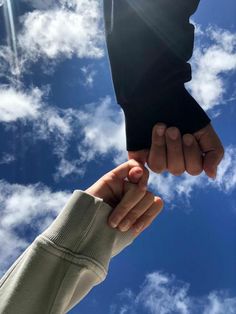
[
  {"x": 121, "y": 211},
  {"x": 150, "y": 196},
  {"x": 133, "y": 216},
  {"x": 152, "y": 212},
  {"x": 149, "y": 214},
  {"x": 117, "y": 216},
  {"x": 221, "y": 151},
  {"x": 139, "y": 190},
  {"x": 156, "y": 167},
  {"x": 158, "y": 142}
]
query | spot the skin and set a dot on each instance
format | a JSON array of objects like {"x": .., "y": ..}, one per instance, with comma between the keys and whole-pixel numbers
[
  {"x": 134, "y": 206},
  {"x": 193, "y": 153}
]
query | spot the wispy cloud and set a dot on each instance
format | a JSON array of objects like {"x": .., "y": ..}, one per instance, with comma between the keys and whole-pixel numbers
[
  {"x": 214, "y": 56},
  {"x": 161, "y": 293},
  {"x": 6, "y": 159},
  {"x": 33, "y": 207},
  {"x": 88, "y": 75}
]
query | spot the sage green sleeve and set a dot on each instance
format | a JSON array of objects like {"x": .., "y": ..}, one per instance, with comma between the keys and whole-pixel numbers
[{"x": 65, "y": 262}]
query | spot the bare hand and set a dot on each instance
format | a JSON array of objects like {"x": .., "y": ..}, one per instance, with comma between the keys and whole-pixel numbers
[
  {"x": 134, "y": 206},
  {"x": 192, "y": 152}
]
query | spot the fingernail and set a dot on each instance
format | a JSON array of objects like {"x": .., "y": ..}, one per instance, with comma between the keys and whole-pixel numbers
[
  {"x": 188, "y": 140},
  {"x": 173, "y": 133},
  {"x": 124, "y": 226},
  {"x": 139, "y": 227},
  {"x": 113, "y": 223},
  {"x": 160, "y": 130}
]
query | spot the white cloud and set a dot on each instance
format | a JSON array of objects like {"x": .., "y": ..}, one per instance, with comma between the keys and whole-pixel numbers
[
  {"x": 103, "y": 129},
  {"x": 219, "y": 304},
  {"x": 72, "y": 28},
  {"x": 171, "y": 187},
  {"x": 32, "y": 206},
  {"x": 6, "y": 159},
  {"x": 163, "y": 294},
  {"x": 46, "y": 123},
  {"x": 214, "y": 55},
  {"x": 68, "y": 167},
  {"x": 100, "y": 130},
  {"x": 98, "y": 126},
  {"x": 11, "y": 247},
  {"x": 16, "y": 104},
  {"x": 29, "y": 107}
]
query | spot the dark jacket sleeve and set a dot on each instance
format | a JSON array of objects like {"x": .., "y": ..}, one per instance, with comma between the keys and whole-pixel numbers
[{"x": 149, "y": 43}]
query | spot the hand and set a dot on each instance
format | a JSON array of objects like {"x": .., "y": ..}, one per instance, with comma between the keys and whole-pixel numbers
[
  {"x": 192, "y": 152},
  {"x": 134, "y": 207}
]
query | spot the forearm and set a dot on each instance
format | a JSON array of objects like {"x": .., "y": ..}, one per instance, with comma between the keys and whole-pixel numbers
[
  {"x": 65, "y": 262},
  {"x": 147, "y": 40},
  {"x": 149, "y": 44}
]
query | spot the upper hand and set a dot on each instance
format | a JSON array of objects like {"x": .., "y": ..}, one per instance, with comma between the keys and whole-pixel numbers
[{"x": 192, "y": 152}]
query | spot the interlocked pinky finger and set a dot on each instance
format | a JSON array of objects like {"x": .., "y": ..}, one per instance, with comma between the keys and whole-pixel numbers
[{"x": 147, "y": 218}]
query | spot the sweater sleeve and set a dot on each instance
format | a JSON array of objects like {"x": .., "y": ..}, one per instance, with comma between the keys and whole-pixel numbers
[
  {"x": 65, "y": 262},
  {"x": 149, "y": 43}
]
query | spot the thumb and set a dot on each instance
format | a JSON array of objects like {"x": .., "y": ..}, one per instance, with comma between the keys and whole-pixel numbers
[{"x": 211, "y": 148}]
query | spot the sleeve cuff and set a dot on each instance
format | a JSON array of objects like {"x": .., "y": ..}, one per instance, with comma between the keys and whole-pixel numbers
[
  {"x": 174, "y": 107},
  {"x": 82, "y": 228}
]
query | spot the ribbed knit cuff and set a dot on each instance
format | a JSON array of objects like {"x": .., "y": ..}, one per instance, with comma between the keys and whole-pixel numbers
[{"x": 82, "y": 228}]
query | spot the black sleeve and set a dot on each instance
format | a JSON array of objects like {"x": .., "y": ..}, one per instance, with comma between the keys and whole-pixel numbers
[{"x": 149, "y": 43}]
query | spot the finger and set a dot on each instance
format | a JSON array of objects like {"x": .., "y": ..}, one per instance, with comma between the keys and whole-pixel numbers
[
  {"x": 137, "y": 211},
  {"x": 129, "y": 200},
  {"x": 175, "y": 156},
  {"x": 147, "y": 218},
  {"x": 157, "y": 155},
  {"x": 139, "y": 176},
  {"x": 140, "y": 155},
  {"x": 212, "y": 149},
  {"x": 192, "y": 155},
  {"x": 211, "y": 161}
]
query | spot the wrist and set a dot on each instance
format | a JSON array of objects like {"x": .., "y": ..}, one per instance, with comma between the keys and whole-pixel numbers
[{"x": 98, "y": 193}]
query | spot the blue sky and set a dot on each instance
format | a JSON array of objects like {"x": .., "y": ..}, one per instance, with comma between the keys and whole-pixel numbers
[{"x": 61, "y": 129}]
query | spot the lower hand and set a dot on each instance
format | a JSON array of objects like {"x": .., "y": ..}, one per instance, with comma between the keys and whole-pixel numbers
[
  {"x": 192, "y": 152},
  {"x": 134, "y": 207}
]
